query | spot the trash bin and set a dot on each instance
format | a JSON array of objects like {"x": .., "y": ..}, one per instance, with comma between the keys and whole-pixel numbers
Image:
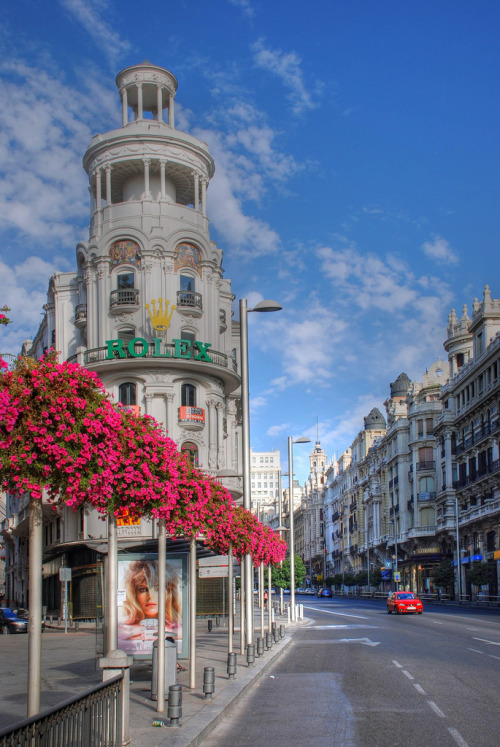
[{"x": 170, "y": 667}]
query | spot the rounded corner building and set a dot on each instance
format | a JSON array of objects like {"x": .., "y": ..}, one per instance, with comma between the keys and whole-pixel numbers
[{"x": 148, "y": 309}]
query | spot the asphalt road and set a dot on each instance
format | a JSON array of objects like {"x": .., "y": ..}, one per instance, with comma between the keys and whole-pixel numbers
[{"x": 357, "y": 676}]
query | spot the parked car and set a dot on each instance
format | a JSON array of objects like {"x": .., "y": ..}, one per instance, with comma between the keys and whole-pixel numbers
[
  {"x": 402, "y": 602},
  {"x": 11, "y": 623},
  {"x": 325, "y": 593},
  {"x": 308, "y": 591},
  {"x": 24, "y": 615}
]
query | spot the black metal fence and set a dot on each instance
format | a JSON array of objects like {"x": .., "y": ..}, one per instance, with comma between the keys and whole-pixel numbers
[{"x": 92, "y": 719}]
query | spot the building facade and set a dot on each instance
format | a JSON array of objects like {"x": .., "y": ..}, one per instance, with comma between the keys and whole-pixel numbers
[
  {"x": 147, "y": 309},
  {"x": 265, "y": 482}
]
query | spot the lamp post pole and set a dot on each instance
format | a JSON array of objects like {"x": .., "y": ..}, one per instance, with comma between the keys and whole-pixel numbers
[
  {"x": 457, "y": 540},
  {"x": 291, "y": 546},
  {"x": 245, "y": 414}
]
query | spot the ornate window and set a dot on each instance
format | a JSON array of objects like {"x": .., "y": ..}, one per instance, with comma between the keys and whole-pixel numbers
[
  {"x": 127, "y": 393},
  {"x": 188, "y": 395},
  {"x": 191, "y": 451}
]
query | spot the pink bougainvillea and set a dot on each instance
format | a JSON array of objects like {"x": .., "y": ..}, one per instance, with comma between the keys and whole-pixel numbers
[{"x": 60, "y": 434}]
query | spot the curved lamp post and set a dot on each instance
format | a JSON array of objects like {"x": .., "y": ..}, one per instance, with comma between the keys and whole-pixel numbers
[
  {"x": 301, "y": 440},
  {"x": 245, "y": 413}
]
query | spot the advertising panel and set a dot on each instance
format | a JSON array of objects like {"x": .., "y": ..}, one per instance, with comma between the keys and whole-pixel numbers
[{"x": 137, "y": 602}]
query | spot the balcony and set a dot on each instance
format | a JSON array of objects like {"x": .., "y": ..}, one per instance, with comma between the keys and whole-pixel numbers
[
  {"x": 425, "y": 497},
  {"x": 190, "y": 303},
  {"x": 192, "y": 418},
  {"x": 81, "y": 315},
  {"x": 123, "y": 299},
  {"x": 421, "y": 466},
  {"x": 489, "y": 469}
]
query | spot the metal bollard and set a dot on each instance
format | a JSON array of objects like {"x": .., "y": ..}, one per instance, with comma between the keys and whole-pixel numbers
[
  {"x": 217, "y": 621},
  {"x": 210, "y": 622},
  {"x": 269, "y": 640},
  {"x": 260, "y": 646},
  {"x": 174, "y": 711},
  {"x": 209, "y": 682},
  {"x": 282, "y": 631},
  {"x": 231, "y": 665},
  {"x": 250, "y": 654},
  {"x": 276, "y": 634},
  {"x": 77, "y": 626}
]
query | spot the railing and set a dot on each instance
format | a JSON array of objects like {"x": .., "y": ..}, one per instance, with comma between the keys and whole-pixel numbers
[
  {"x": 92, "y": 719},
  {"x": 425, "y": 465},
  {"x": 475, "y": 476},
  {"x": 97, "y": 355},
  {"x": 124, "y": 297},
  {"x": 188, "y": 299}
]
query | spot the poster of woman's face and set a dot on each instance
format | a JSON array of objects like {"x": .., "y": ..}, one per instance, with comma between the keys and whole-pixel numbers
[{"x": 138, "y": 604}]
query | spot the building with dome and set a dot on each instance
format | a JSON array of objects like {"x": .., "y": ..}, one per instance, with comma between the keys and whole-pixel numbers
[{"x": 148, "y": 309}]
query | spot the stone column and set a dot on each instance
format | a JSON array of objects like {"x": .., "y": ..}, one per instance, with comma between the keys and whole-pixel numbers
[
  {"x": 196, "y": 198},
  {"x": 124, "y": 95},
  {"x": 139, "y": 101},
  {"x": 148, "y": 397},
  {"x": 162, "y": 179},
  {"x": 220, "y": 434},
  {"x": 171, "y": 111},
  {"x": 212, "y": 434},
  {"x": 159, "y": 103},
  {"x": 147, "y": 193},
  {"x": 204, "y": 196},
  {"x": 169, "y": 423},
  {"x": 98, "y": 201}
]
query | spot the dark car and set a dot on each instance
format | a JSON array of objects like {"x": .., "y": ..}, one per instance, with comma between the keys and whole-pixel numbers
[
  {"x": 11, "y": 623},
  {"x": 324, "y": 593}
]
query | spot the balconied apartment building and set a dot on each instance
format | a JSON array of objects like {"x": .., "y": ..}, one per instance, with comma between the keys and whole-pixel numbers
[
  {"x": 468, "y": 432},
  {"x": 313, "y": 547},
  {"x": 393, "y": 496}
]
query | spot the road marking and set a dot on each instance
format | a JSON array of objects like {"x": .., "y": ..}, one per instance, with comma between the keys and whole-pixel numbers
[
  {"x": 329, "y": 612},
  {"x": 419, "y": 689},
  {"x": 493, "y": 657},
  {"x": 485, "y": 640},
  {"x": 436, "y": 709},
  {"x": 437, "y": 623},
  {"x": 407, "y": 674},
  {"x": 365, "y": 641},
  {"x": 472, "y": 629},
  {"x": 397, "y": 664},
  {"x": 340, "y": 627},
  {"x": 475, "y": 650},
  {"x": 457, "y": 737}
]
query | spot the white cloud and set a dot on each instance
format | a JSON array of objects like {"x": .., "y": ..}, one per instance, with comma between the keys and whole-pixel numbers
[
  {"x": 89, "y": 14},
  {"x": 43, "y": 133},
  {"x": 287, "y": 67},
  {"x": 440, "y": 250},
  {"x": 245, "y": 6}
]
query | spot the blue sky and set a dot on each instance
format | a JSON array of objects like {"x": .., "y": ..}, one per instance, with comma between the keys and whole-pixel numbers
[{"x": 357, "y": 175}]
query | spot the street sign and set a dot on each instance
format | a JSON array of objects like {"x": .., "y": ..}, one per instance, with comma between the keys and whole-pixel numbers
[
  {"x": 397, "y": 577},
  {"x": 214, "y": 560},
  {"x": 64, "y": 574},
  {"x": 218, "y": 571}
]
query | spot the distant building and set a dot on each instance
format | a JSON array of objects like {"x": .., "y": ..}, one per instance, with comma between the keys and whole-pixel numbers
[{"x": 265, "y": 477}]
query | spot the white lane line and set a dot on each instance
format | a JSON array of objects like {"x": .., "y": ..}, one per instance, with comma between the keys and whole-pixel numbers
[
  {"x": 493, "y": 657},
  {"x": 457, "y": 737},
  {"x": 397, "y": 664},
  {"x": 419, "y": 689},
  {"x": 485, "y": 640},
  {"x": 437, "y": 623},
  {"x": 474, "y": 629},
  {"x": 407, "y": 674},
  {"x": 475, "y": 650},
  {"x": 330, "y": 612},
  {"x": 436, "y": 709}
]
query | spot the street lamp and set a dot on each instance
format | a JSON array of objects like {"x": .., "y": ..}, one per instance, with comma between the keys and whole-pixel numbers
[
  {"x": 245, "y": 413},
  {"x": 457, "y": 539},
  {"x": 393, "y": 521},
  {"x": 301, "y": 440}
]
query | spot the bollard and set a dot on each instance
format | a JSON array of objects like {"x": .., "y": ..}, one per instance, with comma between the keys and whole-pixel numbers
[
  {"x": 217, "y": 621},
  {"x": 282, "y": 631},
  {"x": 276, "y": 635},
  {"x": 231, "y": 665},
  {"x": 174, "y": 711},
  {"x": 288, "y": 612},
  {"x": 269, "y": 640},
  {"x": 301, "y": 611},
  {"x": 209, "y": 682},
  {"x": 250, "y": 654},
  {"x": 260, "y": 646},
  {"x": 77, "y": 626},
  {"x": 210, "y": 626}
]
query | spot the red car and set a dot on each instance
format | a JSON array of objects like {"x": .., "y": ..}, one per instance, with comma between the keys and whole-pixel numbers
[{"x": 404, "y": 601}]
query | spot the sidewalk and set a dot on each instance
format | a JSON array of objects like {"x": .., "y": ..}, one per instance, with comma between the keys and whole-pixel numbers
[{"x": 199, "y": 716}]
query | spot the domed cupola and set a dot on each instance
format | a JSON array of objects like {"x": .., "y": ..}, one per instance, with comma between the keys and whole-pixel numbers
[
  {"x": 401, "y": 386},
  {"x": 374, "y": 421}
]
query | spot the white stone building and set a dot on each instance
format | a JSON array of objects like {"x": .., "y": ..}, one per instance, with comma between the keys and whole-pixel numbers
[
  {"x": 265, "y": 480},
  {"x": 148, "y": 309}
]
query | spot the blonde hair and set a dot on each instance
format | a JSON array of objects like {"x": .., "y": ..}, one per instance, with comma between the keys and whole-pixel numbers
[{"x": 145, "y": 573}]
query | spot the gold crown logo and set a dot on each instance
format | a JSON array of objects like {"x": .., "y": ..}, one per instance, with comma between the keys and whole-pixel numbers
[{"x": 160, "y": 319}]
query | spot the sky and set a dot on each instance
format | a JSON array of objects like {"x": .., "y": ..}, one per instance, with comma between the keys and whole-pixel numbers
[{"x": 357, "y": 176}]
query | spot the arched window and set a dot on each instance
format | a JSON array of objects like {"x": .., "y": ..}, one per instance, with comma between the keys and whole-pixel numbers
[
  {"x": 188, "y": 395},
  {"x": 191, "y": 451},
  {"x": 125, "y": 280},
  {"x": 126, "y": 334},
  {"x": 127, "y": 393}
]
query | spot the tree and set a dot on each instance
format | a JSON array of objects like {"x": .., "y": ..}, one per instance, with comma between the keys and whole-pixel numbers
[
  {"x": 481, "y": 574},
  {"x": 361, "y": 578},
  {"x": 281, "y": 573},
  {"x": 444, "y": 574}
]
